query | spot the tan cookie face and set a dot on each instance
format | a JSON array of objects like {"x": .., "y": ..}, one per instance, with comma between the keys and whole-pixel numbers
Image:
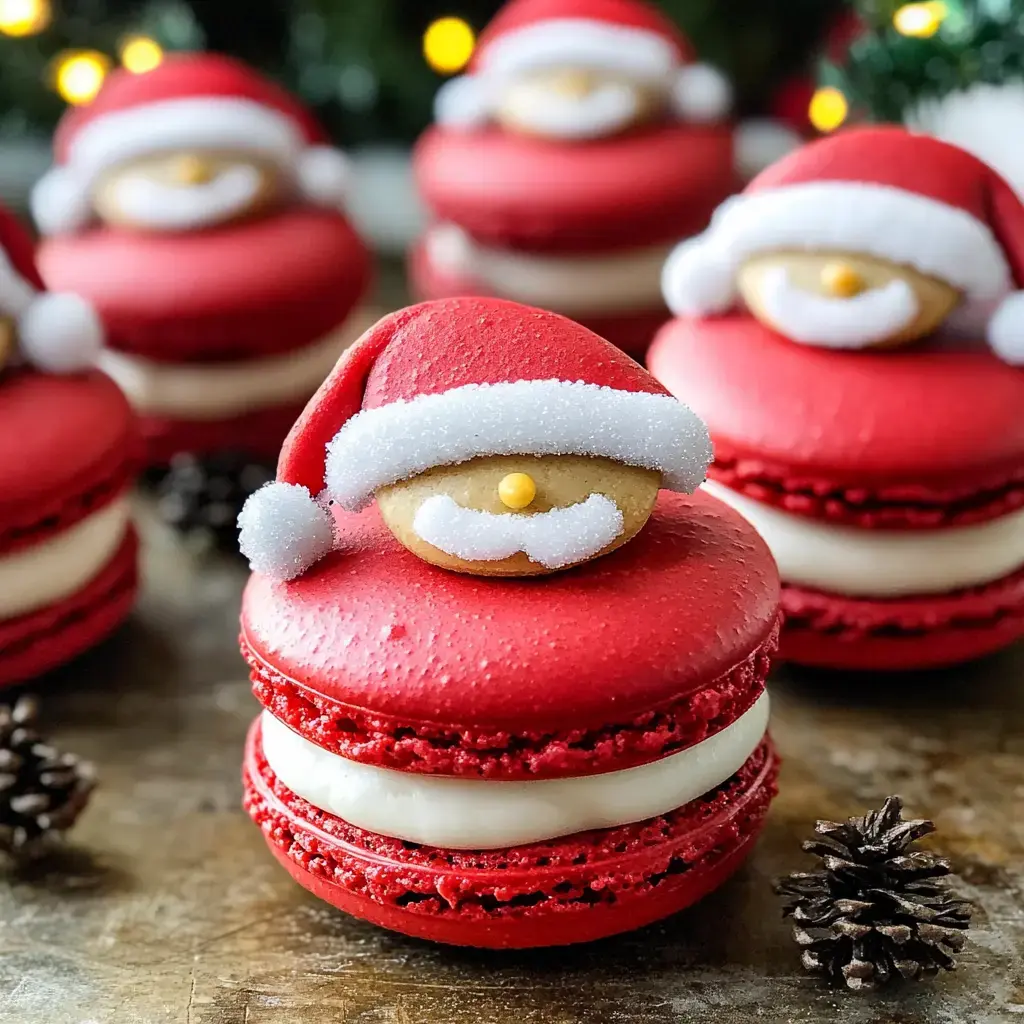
[
  {"x": 525, "y": 488},
  {"x": 183, "y": 191},
  {"x": 839, "y": 293},
  {"x": 576, "y": 103}
]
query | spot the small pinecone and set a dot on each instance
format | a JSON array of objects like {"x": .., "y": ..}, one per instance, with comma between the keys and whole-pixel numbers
[
  {"x": 42, "y": 791},
  {"x": 203, "y": 496},
  {"x": 876, "y": 912}
]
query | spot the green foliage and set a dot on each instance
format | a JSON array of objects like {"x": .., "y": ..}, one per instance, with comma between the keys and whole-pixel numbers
[
  {"x": 886, "y": 74},
  {"x": 359, "y": 62}
]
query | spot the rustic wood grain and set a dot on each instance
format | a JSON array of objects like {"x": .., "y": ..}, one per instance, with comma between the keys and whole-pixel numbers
[{"x": 167, "y": 907}]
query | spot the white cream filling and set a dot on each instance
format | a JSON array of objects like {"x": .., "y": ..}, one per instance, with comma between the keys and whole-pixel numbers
[
  {"x": 883, "y": 563},
  {"x": 207, "y": 391},
  {"x": 45, "y": 573},
  {"x": 475, "y": 814},
  {"x": 617, "y": 283}
]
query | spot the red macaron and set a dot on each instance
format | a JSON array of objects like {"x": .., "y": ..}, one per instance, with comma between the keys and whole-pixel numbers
[
  {"x": 67, "y": 549},
  {"x": 218, "y": 298},
  {"x": 534, "y": 200},
  {"x": 385, "y": 661},
  {"x": 643, "y": 188},
  {"x": 909, "y": 463}
]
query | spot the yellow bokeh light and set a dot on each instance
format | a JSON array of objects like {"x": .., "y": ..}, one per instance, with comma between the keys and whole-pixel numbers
[
  {"x": 920, "y": 20},
  {"x": 80, "y": 74},
  {"x": 24, "y": 17},
  {"x": 140, "y": 54},
  {"x": 828, "y": 109},
  {"x": 448, "y": 44}
]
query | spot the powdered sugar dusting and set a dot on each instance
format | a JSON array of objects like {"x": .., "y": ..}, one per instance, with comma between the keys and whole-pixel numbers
[
  {"x": 283, "y": 531},
  {"x": 537, "y": 417},
  {"x": 560, "y": 537}
]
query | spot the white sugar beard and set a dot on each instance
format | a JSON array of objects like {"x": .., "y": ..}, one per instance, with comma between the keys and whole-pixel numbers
[
  {"x": 554, "y": 539},
  {"x": 866, "y": 319},
  {"x": 607, "y": 109},
  {"x": 181, "y": 207}
]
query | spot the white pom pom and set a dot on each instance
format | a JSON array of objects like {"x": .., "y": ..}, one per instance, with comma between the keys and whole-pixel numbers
[
  {"x": 60, "y": 202},
  {"x": 283, "y": 531},
  {"x": 1006, "y": 330},
  {"x": 463, "y": 102},
  {"x": 758, "y": 143},
  {"x": 60, "y": 333},
  {"x": 696, "y": 280},
  {"x": 324, "y": 176},
  {"x": 701, "y": 94}
]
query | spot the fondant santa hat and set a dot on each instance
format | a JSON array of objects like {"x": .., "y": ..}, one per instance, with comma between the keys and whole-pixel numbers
[
  {"x": 883, "y": 192},
  {"x": 56, "y": 332},
  {"x": 447, "y": 381},
  {"x": 190, "y": 101},
  {"x": 629, "y": 37}
]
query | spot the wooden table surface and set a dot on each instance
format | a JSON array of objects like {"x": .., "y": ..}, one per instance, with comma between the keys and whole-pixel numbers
[{"x": 167, "y": 907}]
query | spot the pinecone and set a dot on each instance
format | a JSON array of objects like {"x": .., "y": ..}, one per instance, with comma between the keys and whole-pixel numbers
[
  {"x": 201, "y": 497},
  {"x": 876, "y": 912},
  {"x": 42, "y": 791}
]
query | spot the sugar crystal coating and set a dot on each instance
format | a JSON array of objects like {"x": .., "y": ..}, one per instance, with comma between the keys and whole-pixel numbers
[{"x": 283, "y": 531}]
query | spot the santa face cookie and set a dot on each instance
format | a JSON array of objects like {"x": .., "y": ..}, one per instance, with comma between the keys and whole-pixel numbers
[
  {"x": 425, "y": 729},
  {"x": 869, "y": 239},
  {"x": 186, "y": 189},
  {"x": 567, "y": 70},
  {"x": 67, "y": 549},
  {"x": 199, "y": 208},
  {"x": 496, "y": 459}
]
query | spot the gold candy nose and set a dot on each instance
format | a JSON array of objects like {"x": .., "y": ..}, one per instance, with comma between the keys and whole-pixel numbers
[
  {"x": 192, "y": 170},
  {"x": 517, "y": 490},
  {"x": 842, "y": 281}
]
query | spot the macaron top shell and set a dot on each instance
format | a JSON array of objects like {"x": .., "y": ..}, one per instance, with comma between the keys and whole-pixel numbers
[
  {"x": 643, "y": 188},
  {"x": 374, "y": 627},
  {"x": 942, "y": 415},
  {"x": 62, "y": 440},
  {"x": 236, "y": 291}
]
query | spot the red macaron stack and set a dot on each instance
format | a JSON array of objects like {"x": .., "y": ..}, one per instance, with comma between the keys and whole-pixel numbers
[
  {"x": 68, "y": 453},
  {"x": 578, "y": 223},
  {"x": 428, "y": 759},
  {"x": 865, "y": 405},
  {"x": 219, "y": 327}
]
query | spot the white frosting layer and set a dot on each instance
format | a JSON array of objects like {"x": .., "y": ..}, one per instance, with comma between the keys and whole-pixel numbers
[
  {"x": 475, "y": 814},
  {"x": 45, "y": 573},
  {"x": 202, "y": 391},
  {"x": 883, "y": 563},
  {"x": 618, "y": 283}
]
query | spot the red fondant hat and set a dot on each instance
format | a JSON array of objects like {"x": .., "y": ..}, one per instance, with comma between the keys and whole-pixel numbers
[
  {"x": 443, "y": 382},
  {"x": 56, "y": 332},
  {"x": 884, "y": 192},
  {"x": 625, "y": 36},
  {"x": 190, "y": 101}
]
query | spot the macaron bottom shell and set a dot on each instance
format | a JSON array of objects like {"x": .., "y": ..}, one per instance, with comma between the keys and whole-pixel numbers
[
  {"x": 832, "y": 631},
  {"x": 564, "y": 891},
  {"x": 38, "y": 642}
]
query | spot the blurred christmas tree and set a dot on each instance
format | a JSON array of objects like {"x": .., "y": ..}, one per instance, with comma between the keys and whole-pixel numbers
[
  {"x": 951, "y": 68},
  {"x": 369, "y": 66}
]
